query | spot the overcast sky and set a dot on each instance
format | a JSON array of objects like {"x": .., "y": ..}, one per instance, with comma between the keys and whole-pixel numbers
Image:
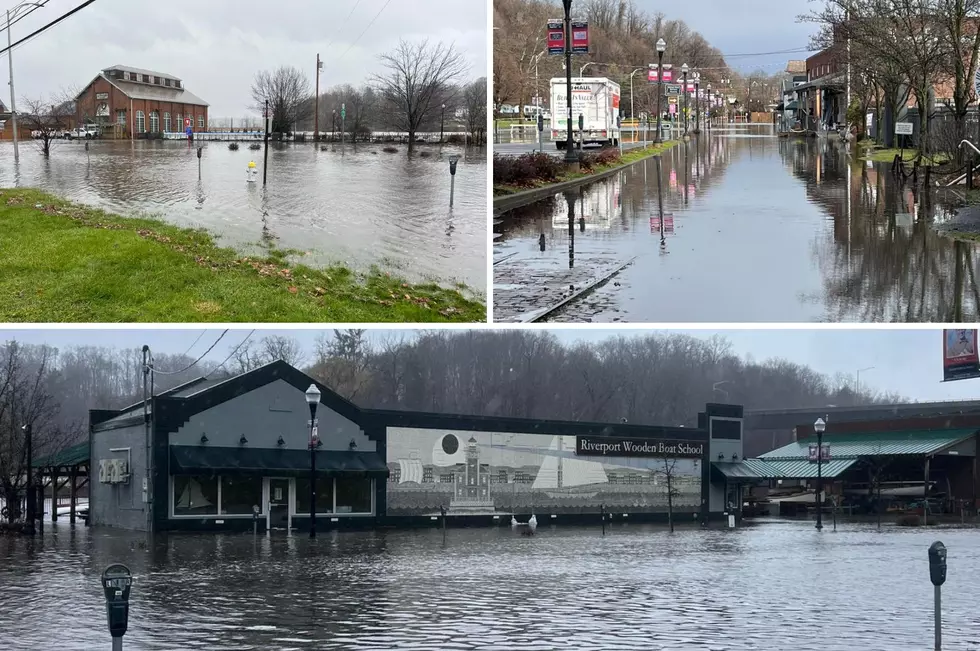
[
  {"x": 745, "y": 27},
  {"x": 905, "y": 361},
  {"x": 217, "y": 46}
]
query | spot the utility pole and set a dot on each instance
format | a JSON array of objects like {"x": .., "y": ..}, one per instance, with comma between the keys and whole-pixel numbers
[
  {"x": 13, "y": 102},
  {"x": 316, "y": 101}
]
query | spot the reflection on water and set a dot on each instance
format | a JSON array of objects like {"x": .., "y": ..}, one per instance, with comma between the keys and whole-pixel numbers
[
  {"x": 778, "y": 585},
  {"x": 753, "y": 229},
  {"x": 362, "y": 208}
]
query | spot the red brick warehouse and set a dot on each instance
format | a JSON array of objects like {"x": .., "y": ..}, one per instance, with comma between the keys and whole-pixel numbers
[{"x": 133, "y": 103}]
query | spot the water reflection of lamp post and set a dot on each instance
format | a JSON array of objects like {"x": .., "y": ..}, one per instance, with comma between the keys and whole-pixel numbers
[
  {"x": 819, "y": 428},
  {"x": 684, "y": 71},
  {"x": 661, "y": 48},
  {"x": 313, "y": 399},
  {"x": 570, "y": 200}
]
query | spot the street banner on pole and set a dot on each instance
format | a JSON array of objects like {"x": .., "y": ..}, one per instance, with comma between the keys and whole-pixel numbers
[
  {"x": 960, "y": 359},
  {"x": 556, "y": 36},
  {"x": 652, "y": 73},
  {"x": 580, "y": 37}
]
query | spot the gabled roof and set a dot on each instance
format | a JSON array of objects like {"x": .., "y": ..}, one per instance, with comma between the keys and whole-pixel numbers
[
  {"x": 868, "y": 444},
  {"x": 150, "y": 92}
]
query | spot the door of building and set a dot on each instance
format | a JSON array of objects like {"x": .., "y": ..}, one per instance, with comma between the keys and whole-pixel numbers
[{"x": 278, "y": 504}]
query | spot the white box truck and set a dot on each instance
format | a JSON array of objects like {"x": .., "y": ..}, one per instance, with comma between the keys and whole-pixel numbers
[{"x": 596, "y": 99}]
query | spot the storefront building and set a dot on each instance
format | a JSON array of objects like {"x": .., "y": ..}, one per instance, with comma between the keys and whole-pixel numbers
[{"x": 227, "y": 455}]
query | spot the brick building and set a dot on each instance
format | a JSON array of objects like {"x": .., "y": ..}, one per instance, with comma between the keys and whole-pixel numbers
[{"x": 134, "y": 103}]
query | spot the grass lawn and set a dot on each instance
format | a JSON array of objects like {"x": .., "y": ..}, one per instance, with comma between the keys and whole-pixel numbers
[
  {"x": 62, "y": 262},
  {"x": 629, "y": 157},
  {"x": 909, "y": 155}
]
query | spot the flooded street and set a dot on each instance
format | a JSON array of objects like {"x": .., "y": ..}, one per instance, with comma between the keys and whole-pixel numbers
[
  {"x": 756, "y": 229},
  {"x": 361, "y": 208},
  {"x": 778, "y": 585}
]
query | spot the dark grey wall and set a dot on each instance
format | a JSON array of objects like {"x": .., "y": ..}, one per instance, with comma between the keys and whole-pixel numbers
[
  {"x": 118, "y": 505},
  {"x": 262, "y": 415},
  {"x": 727, "y": 447}
]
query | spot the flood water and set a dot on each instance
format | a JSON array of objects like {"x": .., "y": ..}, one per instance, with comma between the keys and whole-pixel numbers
[
  {"x": 360, "y": 208},
  {"x": 756, "y": 229},
  {"x": 778, "y": 585}
]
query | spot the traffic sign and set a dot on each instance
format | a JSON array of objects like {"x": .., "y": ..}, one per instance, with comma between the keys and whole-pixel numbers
[
  {"x": 672, "y": 89},
  {"x": 187, "y": 122}
]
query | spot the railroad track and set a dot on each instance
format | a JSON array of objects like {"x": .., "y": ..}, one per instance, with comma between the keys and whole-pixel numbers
[{"x": 539, "y": 315}]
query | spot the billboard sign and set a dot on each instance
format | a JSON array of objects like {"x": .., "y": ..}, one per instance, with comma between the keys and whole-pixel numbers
[
  {"x": 960, "y": 360},
  {"x": 580, "y": 37}
]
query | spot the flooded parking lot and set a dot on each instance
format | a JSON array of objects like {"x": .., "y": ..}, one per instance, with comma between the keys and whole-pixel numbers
[
  {"x": 361, "y": 207},
  {"x": 778, "y": 585},
  {"x": 755, "y": 229}
]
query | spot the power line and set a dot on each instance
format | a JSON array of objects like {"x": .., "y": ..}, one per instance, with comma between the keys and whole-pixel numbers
[
  {"x": 48, "y": 26},
  {"x": 194, "y": 363},
  {"x": 203, "y": 332},
  {"x": 240, "y": 344},
  {"x": 385, "y": 6}
]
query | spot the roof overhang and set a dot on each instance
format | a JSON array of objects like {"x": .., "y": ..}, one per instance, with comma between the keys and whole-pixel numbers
[{"x": 205, "y": 459}]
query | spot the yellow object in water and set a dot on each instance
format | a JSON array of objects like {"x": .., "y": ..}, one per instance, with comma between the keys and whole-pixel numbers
[{"x": 251, "y": 165}]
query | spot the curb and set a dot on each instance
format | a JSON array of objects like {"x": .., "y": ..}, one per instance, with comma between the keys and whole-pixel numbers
[{"x": 519, "y": 199}]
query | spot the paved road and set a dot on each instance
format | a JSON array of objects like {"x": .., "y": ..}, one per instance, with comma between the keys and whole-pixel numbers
[{"x": 518, "y": 148}]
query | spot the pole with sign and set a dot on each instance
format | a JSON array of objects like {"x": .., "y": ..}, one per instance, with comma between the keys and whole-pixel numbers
[
  {"x": 265, "y": 163},
  {"x": 343, "y": 125},
  {"x": 540, "y": 132},
  {"x": 571, "y": 156},
  {"x": 976, "y": 87},
  {"x": 316, "y": 100}
]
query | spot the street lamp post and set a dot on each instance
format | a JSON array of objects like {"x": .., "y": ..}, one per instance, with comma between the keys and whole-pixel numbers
[
  {"x": 632, "y": 107},
  {"x": 333, "y": 126},
  {"x": 571, "y": 156},
  {"x": 313, "y": 399},
  {"x": 31, "y": 495},
  {"x": 661, "y": 48},
  {"x": 10, "y": 61},
  {"x": 697, "y": 103},
  {"x": 707, "y": 118},
  {"x": 684, "y": 71},
  {"x": 442, "y": 123},
  {"x": 819, "y": 428}
]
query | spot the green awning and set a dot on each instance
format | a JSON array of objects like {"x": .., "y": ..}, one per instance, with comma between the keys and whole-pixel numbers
[
  {"x": 196, "y": 459},
  {"x": 803, "y": 469},
  {"x": 792, "y": 106},
  {"x": 749, "y": 469}
]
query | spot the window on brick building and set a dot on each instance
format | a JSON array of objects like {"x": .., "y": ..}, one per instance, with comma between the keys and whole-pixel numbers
[
  {"x": 180, "y": 122},
  {"x": 140, "y": 122},
  {"x": 166, "y": 82},
  {"x": 154, "y": 122},
  {"x": 156, "y": 80},
  {"x": 200, "y": 122},
  {"x": 121, "y": 117},
  {"x": 176, "y": 83},
  {"x": 166, "y": 122}
]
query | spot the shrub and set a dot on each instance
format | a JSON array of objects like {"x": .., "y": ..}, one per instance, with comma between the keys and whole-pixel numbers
[
  {"x": 233, "y": 146},
  {"x": 608, "y": 156},
  {"x": 425, "y": 154},
  {"x": 255, "y": 146},
  {"x": 456, "y": 139},
  {"x": 910, "y": 520},
  {"x": 390, "y": 150},
  {"x": 526, "y": 169}
]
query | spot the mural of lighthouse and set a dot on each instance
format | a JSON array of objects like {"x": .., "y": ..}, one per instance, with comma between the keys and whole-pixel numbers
[{"x": 472, "y": 494}]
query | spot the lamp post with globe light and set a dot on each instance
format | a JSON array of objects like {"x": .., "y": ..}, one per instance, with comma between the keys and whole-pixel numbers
[
  {"x": 313, "y": 399},
  {"x": 661, "y": 48},
  {"x": 819, "y": 428}
]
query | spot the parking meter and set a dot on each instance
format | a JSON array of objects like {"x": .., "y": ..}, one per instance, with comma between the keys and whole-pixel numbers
[
  {"x": 452, "y": 178},
  {"x": 581, "y": 122},
  {"x": 255, "y": 519},
  {"x": 540, "y": 122},
  {"x": 116, "y": 582},
  {"x": 937, "y": 563},
  {"x": 452, "y": 164},
  {"x": 200, "y": 151}
]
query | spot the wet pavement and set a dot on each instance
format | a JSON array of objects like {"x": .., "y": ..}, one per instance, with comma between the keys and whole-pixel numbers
[
  {"x": 359, "y": 208},
  {"x": 756, "y": 229},
  {"x": 777, "y": 585}
]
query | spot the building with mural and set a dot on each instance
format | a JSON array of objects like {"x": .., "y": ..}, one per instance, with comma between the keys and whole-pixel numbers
[{"x": 221, "y": 455}]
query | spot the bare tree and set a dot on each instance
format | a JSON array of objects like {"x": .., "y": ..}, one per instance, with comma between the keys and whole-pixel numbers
[
  {"x": 278, "y": 347},
  {"x": 342, "y": 362},
  {"x": 475, "y": 105},
  {"x": 669, "y": 466},
  {"x": 48, "y": 120},
  {"x": 418, "y": 76},
  {"x": 960, "y": 32},
  {"x": 287, "y": 90},
  {"x": 26, "y": 402}
]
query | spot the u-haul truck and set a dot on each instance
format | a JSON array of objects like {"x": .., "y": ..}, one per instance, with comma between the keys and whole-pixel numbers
[{"x": 596, "y": 99}]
